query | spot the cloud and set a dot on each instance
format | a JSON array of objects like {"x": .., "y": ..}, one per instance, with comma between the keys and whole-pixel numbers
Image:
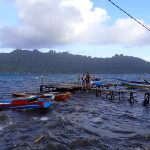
[
  {"x": 126, "y": 32},
  {"x": 49, "y": 23}
]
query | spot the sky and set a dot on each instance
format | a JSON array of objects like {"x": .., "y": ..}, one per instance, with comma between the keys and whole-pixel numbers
[{"x": 93, "y": 28}]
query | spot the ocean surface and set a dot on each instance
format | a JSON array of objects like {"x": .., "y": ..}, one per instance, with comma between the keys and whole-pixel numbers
[{"x": 83, "y": 122}]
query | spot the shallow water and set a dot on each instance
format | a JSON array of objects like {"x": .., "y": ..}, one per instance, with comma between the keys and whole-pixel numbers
[{"x": 83, "y": 122}]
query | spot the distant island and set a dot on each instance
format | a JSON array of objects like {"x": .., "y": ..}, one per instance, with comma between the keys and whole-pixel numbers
[{"x": 25, "y": 61}]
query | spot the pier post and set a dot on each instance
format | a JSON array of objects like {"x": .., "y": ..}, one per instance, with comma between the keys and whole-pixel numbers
[
  {"x": 111, "y": 94},
  {"x": 121, "y": 95},
  {"x": 100, "y": 92},
  {"x": 146, "y": 99},
  {"x": 41, "y": 88},
  {"x": 131, "y": 97},
  {"x": 78, "y": 79},
  {"x": 97, "y": 92}
]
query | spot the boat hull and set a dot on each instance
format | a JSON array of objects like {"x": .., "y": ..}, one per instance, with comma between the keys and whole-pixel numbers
[
  {"x": 57, "y": 96},
  {"x": 139, "y": 86},
  {"x": 63, "y": 97},
  {"x": 26, "y": 103},
  {"x": 135, "y": 84}
]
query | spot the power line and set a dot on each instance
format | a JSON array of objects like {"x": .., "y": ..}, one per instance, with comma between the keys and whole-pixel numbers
[{"x": 129, "y": 15}]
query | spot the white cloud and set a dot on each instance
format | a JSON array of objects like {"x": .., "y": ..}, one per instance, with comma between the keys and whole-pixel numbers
[
  {"x": 49, "y": 23},
  {"x": 127, "y": 32}
]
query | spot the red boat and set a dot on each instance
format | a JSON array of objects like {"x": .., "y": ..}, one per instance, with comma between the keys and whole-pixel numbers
[
  {"x": 62, "y": 96},
  {"x": 27, "y": 102},
  {"x": 57, "y": 96}
]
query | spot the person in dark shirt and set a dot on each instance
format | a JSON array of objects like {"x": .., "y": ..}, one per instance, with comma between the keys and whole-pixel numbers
[{"x": 88, "y": 78}]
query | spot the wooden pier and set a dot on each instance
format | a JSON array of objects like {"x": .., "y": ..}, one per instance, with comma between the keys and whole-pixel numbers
[
  {"x": 71, "y": 87},
  {"x": 63, "y": 87},
  {"x": 110, "y": 91}
]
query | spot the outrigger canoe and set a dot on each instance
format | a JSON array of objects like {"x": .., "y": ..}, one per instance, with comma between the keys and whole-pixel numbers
[
  {"x": 122, "y": 81},
  {"x": 137, "y": 85},
  {"x": 57, "y": 96},
  {"x": 134, "y": 84},
  {"x": 27, "y": 102}
]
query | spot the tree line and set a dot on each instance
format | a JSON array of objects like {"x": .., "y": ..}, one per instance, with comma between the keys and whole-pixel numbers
[{"x": 25, "y": 61}]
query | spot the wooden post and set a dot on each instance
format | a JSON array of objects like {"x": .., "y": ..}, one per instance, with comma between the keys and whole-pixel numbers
[
  {"x": 112, "y": 94},
  {"x": 97, "y": 92},
  {"x": 78, "y": 79},
  {"x": 100, "y": 92},
  {"x": 146, "y": 99},
  {"x": 107, "y": 93},
  {"x": 41, "y": 88},
  {"x": 43, "y": 78},
  {"x": 36, "y": 141},
  {"x": 131, "y": 97},
  {"x": 121, "y": 95},
  {"x": 102, "y": 78},
  {"x": 89, "y": 82}
]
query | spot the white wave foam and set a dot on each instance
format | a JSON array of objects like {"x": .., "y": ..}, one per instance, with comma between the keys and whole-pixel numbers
[{"x": 44, "y": 119}]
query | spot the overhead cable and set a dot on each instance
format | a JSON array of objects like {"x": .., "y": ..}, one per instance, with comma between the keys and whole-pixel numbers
[{"x": 129, "y": 15}]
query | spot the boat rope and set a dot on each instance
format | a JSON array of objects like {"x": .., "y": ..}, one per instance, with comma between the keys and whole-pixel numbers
[{"x": 129, "y": 15}]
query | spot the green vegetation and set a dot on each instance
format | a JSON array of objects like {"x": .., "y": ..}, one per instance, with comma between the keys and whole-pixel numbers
[{"x": 24, "y": 61}]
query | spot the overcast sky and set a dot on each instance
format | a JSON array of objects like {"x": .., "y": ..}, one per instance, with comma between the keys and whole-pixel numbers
[{"x": 87, "y": 27}]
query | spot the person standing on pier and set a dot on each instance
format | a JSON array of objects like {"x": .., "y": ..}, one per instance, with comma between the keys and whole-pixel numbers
[
  {"x": 88, "y": 79},
  {"x": 83, "y": 81}
]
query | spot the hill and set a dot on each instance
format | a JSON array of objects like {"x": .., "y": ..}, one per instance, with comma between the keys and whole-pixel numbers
[{"x": 24, "y": 61}]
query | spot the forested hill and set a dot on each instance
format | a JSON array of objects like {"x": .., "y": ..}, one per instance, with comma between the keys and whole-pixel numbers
[{"x": 24, "y": 61}]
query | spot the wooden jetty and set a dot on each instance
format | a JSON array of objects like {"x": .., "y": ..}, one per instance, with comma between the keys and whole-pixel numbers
[
  {"x": 62, "y": 87},
  {"x": 71, "y": 87},
  {"x": 110, "y": 90}
]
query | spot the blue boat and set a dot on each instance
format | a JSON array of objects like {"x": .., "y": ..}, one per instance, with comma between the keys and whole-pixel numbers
[{"x": 28, "y": 102}]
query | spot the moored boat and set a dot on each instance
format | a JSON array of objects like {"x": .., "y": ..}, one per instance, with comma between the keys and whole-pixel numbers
[
  {"x": 57, "y": 95},
  {"x": 122, "y": 81},
  {"x": 139, "y": 85},
  {"x": 62, "y": 96},
  {"x": 23, "y": 94},
  {"x": 27, "y": 102}
]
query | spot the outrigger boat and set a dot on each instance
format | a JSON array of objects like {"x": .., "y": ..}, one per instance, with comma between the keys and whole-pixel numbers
[
  {"x": 27, "y": 102},
  {"x": 122, "y": 81},
  {"x": 134, "y": 84},
  {"x": 57, "y": 95},
  {"x": 137, "y": 85}
]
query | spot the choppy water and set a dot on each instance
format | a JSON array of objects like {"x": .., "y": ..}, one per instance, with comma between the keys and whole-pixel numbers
[{"x": 84, "y": 122}]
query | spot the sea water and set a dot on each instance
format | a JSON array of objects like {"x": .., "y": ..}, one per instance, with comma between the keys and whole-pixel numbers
[{"x": 83, "y": 122}]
